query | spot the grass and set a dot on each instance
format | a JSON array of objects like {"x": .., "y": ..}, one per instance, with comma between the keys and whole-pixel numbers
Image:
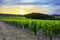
[{"x": 35, "y": 25}]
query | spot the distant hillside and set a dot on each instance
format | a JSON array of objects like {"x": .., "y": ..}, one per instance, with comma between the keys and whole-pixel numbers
[
  {"x": 56, "y": 16},
  {"x": 9, "y": 15},
  {"x": 39, "y": 16},
  {"x": 34, "y": 16}
]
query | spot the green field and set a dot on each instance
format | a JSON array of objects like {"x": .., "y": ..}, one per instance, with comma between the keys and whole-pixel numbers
[{"x": 34, "y": 25}]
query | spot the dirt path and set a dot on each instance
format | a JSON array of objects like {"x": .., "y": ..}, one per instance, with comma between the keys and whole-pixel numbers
[{"x": 9, "y": 32}]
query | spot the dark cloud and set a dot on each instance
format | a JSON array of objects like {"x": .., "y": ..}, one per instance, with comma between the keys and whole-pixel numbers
[
  {"x": 57, "y": 11},
  {"x": 1, "y": 1},
  {"x": 56, "y": 2}
]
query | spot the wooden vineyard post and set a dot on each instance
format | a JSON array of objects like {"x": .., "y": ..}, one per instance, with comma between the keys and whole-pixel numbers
[
  {"x": 50, "y": 35},
  {"x": 22, "y": 27}
]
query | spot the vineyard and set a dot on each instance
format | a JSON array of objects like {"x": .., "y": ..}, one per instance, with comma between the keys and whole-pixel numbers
[{"x": 47, "y": 26}]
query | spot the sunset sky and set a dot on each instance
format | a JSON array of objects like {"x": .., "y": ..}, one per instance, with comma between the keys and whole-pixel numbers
[{"x": 37, "y": 6}]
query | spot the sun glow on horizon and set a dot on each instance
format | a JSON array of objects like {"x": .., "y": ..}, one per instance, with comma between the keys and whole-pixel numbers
[{"x": 22, "y": 10}]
